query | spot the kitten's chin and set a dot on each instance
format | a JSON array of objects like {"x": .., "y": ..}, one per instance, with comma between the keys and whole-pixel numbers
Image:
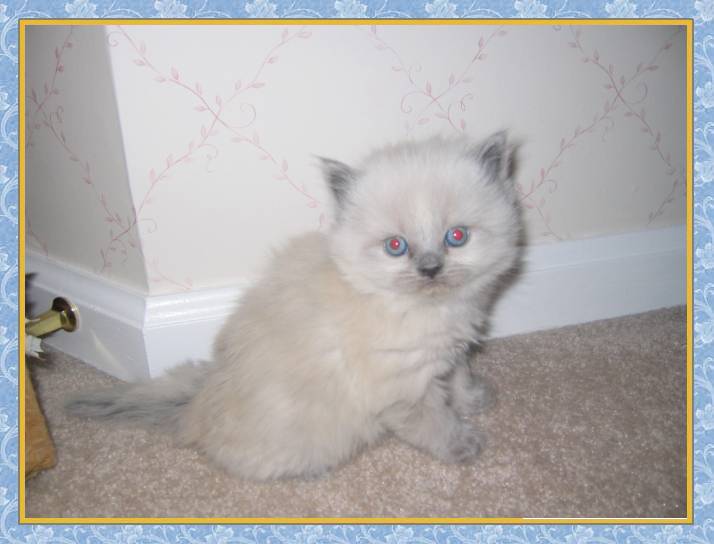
[{"x": 432, "y": 289}]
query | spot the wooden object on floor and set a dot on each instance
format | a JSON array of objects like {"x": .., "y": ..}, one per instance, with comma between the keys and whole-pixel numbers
[{"x": 39, "y": 447}]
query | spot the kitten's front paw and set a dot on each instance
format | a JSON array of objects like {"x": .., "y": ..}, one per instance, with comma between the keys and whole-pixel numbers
[
  {"x": 465, "y": 445},
  {"x": 481, "y": 397},
  {"x": 474, "y": 399}
]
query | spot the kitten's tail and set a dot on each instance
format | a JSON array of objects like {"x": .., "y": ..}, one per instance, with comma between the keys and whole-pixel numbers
[{"x": 155, "y": 402}]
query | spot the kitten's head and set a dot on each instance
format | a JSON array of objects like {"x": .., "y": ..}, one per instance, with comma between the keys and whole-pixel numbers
[{"x": 426, "y": 218}]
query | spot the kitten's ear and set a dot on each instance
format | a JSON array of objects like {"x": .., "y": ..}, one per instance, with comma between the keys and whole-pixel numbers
[
  {"x": 496, "y": 156},
  {"x": 339, "y": 177}
]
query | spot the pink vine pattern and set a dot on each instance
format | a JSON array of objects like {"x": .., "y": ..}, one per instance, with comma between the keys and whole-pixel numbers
[
  {"x": 157, "y": 276},
  {"x": 51, "y": 118},
  {"x": 617, "y": 87},
  {"x": 37, "y": 239},
  {"x": 49, "y": 89},
  {"x": 446, "y": 108},
  {"x": 422, "y": 102},
  {"x": 216, "y": 110}
]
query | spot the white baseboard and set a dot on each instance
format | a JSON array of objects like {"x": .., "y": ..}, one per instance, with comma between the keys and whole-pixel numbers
[
  {"x": 598, "y": 278},
  {"x": 126, "y": 333},
  {"x": 133, "y": 335}
]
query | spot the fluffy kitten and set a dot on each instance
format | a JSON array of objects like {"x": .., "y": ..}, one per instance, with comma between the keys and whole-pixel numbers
[{"x": 356, "y": 332}]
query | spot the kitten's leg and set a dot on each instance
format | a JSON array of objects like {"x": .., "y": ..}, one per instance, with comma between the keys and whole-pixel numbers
[
  {"x": 435, "y": 426},
  {"x": 468, "y": 395}
]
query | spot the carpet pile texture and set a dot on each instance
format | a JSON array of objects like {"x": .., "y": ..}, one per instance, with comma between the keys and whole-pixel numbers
[{"x": 589, "y": 422}]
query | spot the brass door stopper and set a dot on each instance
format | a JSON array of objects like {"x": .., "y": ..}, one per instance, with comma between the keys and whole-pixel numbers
[{"x": 63, "y": 315}]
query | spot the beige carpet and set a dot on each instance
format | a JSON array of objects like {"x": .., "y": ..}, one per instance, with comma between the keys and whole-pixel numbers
[{"x": 590, "y": 422}]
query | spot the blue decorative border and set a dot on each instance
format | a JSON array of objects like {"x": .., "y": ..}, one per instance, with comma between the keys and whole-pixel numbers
[{"x": 702, "y": 11}]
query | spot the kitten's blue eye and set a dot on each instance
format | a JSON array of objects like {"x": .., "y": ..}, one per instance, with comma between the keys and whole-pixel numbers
[
  {"x": 457, "y": 236},
  {"x": 395, "y": 246}
]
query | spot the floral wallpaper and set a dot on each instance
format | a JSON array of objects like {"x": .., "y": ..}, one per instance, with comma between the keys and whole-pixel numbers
[
  {"x": 74, "y": 156},
  {"x": 701, "y": 11},
  {"x": 219, "y": 139}
]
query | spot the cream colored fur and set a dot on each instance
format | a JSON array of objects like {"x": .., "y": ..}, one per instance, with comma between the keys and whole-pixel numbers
[{"x": 339, "y": 342}]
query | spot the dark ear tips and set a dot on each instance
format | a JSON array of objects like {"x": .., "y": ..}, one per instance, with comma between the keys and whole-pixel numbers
[
  {"x": 496, "y": 155},
  {"x": 339, "y": 176}
]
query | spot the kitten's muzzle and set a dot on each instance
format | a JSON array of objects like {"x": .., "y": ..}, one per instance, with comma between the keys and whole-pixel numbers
[{"x": 429, "y": 265}]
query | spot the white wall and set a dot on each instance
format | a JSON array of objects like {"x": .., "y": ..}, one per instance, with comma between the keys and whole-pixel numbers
[
  {"x": 78, "y": 200},
  {"x": 210, "y": 212},
  {"x": 200, "y": 144}
]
